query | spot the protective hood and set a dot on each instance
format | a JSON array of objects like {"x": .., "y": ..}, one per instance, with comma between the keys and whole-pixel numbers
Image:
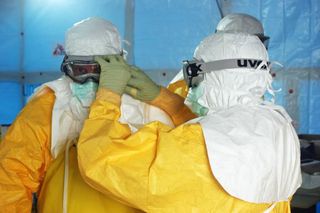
[
  {"x": 228, "y": 87},
  {"x": 92, "y": 36},
  {"x": 240, "y": 23}
]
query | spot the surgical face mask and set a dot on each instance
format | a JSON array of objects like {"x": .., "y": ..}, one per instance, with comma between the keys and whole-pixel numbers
[
  {"x": 192, "y": 101},
  {"x": 85, "y": 93}
]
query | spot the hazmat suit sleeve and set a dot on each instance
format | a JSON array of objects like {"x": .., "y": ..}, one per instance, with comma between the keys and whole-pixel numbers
[
  {"x": 156, "y": 169},
  {"x": 174, "y": 106},
  {"x": 180, "y": 88},
  {"x": 25, "y": 154}
]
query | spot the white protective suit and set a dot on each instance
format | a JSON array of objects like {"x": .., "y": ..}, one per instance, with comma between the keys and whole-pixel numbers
[{"x": 252, "y": 146}]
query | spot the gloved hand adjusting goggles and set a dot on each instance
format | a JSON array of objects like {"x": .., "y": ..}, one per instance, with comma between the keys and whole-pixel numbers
[
  {"x": 194, "y": 70},
  {"x": 81, "y": 68}
]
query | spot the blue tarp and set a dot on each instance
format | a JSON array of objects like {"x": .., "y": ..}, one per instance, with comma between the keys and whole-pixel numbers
[{"x": 164, "y": 32}]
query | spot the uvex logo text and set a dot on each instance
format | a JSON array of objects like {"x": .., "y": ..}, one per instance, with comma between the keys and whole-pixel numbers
[{"x": 251, "y": 63}]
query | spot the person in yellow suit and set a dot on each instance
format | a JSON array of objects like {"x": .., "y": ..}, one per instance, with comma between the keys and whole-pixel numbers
[
  {"x": 38, "y": 154},
  {"x": 242, "y": 156}
]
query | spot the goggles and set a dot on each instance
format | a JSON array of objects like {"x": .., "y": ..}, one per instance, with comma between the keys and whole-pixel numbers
[
  {"x": 81, "y": 68},
  {"x": 264, "y": 39},
  {"x": 194, "y": 70}
]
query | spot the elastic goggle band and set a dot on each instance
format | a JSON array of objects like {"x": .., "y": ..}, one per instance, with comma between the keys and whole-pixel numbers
[{"x": 193, "y": 71}]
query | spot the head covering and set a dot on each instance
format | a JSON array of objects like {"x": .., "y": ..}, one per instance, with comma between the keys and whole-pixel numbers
[
  {"x": 237, "y": 23},
  {"x": 92, "y": 36},
  {"x": 229, "y": 87},
  {"x": 242, "y": 23}
]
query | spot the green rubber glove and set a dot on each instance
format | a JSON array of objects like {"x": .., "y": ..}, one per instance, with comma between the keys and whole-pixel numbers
[
  {"x": 115, "y": 73},
  {"x": 141, "y": 87}
]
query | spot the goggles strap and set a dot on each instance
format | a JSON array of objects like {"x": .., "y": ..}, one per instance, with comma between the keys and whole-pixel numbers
[{"x": 234, "y": 64}]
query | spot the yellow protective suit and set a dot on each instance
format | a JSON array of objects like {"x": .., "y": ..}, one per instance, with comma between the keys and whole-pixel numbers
[
  {"x": 156, "y": 169},
  {"x": 81, "y": 197},
  {"x": 27, "y": 166},
  {"x": 179, "y": 87}
]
